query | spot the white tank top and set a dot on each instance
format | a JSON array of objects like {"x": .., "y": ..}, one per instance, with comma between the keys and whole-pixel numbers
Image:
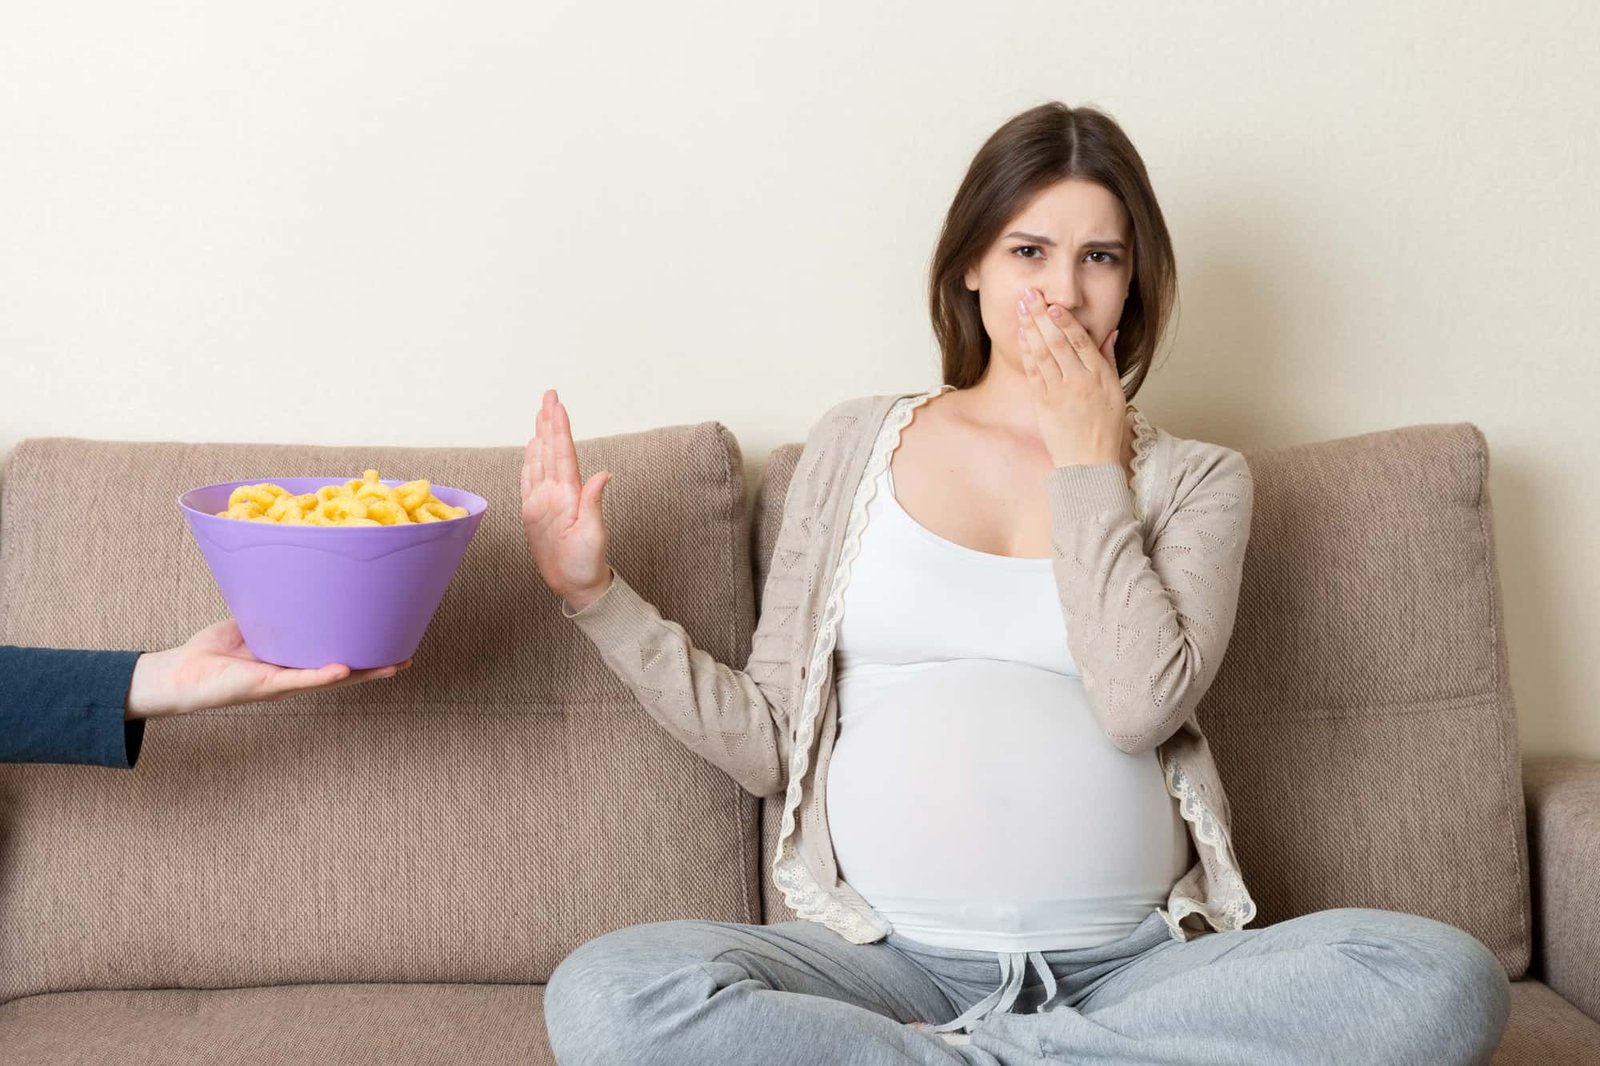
[{"x": 972, "y": 798}]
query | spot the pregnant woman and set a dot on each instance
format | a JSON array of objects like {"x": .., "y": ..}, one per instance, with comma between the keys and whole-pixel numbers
[{"x": 992, "y": 608}]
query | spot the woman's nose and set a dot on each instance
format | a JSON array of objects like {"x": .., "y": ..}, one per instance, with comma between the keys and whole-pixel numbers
[{"x": 1064, "y": 292}]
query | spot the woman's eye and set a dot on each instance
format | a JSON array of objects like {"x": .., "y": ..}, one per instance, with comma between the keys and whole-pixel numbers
[{"x": 1109, "y": 256}]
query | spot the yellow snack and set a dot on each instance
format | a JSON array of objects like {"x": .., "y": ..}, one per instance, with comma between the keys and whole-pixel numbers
[
  {"x": 363, "y": 501},
  {"x": 370, "y": 492},
  {"x": 387, "y": 513},
  {"x": 261, "y": 495},
  {"x": 246, "y": 509},
  {"x": 283, "y": 507},
  {"x": 342, "y": 508},
  {"x": 414, "y": 494}
]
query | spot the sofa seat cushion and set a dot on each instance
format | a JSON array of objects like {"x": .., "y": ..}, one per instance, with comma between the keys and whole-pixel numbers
[
  {"x": 351, "y": 1024},
  {"x": 415, "y": 1025},
  {"x": 1544, "y": 1029}
]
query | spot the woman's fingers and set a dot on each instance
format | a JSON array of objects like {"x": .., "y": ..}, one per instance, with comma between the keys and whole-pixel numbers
[
  {"x": 565, "y": 455},
  {"x": 551, "y": 458},
  {"x": 1030, "y": 365},
  {"x": 1064, "y": 345},
  {"x": 1108, "y": 353},
  {"x": 1045, "y": 363},
  {"x": 536, "y": 457},
  {"x": 1078, "y": 338},
  {"x": 546, "y": 465},
  {"x": 530, "y": 467},
  {"x": 1056, "y": 346}
]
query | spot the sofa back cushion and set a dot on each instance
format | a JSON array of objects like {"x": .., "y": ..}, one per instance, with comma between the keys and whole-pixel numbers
[
  {"x": 473, "y": 819},
  {"x": 1362, "y": 719}
]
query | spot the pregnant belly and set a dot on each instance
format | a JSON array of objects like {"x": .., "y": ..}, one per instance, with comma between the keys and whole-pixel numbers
[{"x": 981, "y": 778}]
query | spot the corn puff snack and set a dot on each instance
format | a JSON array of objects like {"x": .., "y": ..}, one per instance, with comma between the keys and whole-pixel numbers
[{"x": 363, "y": 501}]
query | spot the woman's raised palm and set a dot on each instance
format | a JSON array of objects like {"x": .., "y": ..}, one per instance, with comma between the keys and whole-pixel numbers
[{"x": 561, "y": 516}]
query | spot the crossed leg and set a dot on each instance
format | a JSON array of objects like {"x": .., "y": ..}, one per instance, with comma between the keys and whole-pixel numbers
[
  {"x": 1338, "y": 986},
  {"x": 1346, "y": 985},
  {"x": 705, "y": 992}
]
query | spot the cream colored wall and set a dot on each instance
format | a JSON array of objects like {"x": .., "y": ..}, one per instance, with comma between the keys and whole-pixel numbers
[{"x": 400, "y": 222}]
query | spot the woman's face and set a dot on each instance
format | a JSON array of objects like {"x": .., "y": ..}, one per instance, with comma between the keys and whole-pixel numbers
[{"x": 1072, "y": 243}]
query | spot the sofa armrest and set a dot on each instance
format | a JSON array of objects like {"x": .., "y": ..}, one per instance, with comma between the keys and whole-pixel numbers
[{"x": 1563, "y": 801}]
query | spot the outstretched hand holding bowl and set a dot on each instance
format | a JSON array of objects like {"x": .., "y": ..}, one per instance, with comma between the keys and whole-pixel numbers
[{"x": 213, "y": 668}]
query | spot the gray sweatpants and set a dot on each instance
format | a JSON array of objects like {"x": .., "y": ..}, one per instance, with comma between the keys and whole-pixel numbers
[{"x": 1341, "y": 986}]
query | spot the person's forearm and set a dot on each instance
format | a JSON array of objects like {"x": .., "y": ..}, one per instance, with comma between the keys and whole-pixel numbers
[
  {"x": 1148, "y": 628},
  {"x": 577, "y": 601},
  {"x": 720, "y": 713},
  {"x": 129, "y": 714},
  {"x": 67, "y": 706},
  {"x": 141, "y": 701}
]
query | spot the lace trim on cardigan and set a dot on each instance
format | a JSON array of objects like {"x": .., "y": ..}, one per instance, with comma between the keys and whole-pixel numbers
[
  {"x": 1144, "y": 444},
  {"x": 1233, "y": 907},
  {"x": 800, "y": 890}
]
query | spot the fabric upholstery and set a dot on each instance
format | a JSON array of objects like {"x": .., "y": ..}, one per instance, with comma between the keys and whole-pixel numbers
[
  {"x": 1564, "y": 824},
  {"x": 472, "y": 820},
  {"x": 286, "y": 1025},
  {"x": 386, "y": 873}
]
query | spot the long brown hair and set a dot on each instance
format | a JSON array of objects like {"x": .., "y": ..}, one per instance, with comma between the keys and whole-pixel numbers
[{"x": 1032, "y": 151}]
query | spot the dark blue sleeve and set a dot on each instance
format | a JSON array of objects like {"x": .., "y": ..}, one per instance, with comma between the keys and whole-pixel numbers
[{"x": 66, "y": 706}]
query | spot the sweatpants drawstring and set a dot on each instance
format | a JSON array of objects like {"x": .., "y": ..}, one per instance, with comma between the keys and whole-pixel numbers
[{"x": 1013, "y": 972}]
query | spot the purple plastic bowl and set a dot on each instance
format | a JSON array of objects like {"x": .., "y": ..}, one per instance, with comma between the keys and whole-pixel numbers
[{"x": 307, "y": 596}]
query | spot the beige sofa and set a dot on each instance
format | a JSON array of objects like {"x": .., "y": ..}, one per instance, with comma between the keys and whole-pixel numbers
[{"x": 387, "y": 874}]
